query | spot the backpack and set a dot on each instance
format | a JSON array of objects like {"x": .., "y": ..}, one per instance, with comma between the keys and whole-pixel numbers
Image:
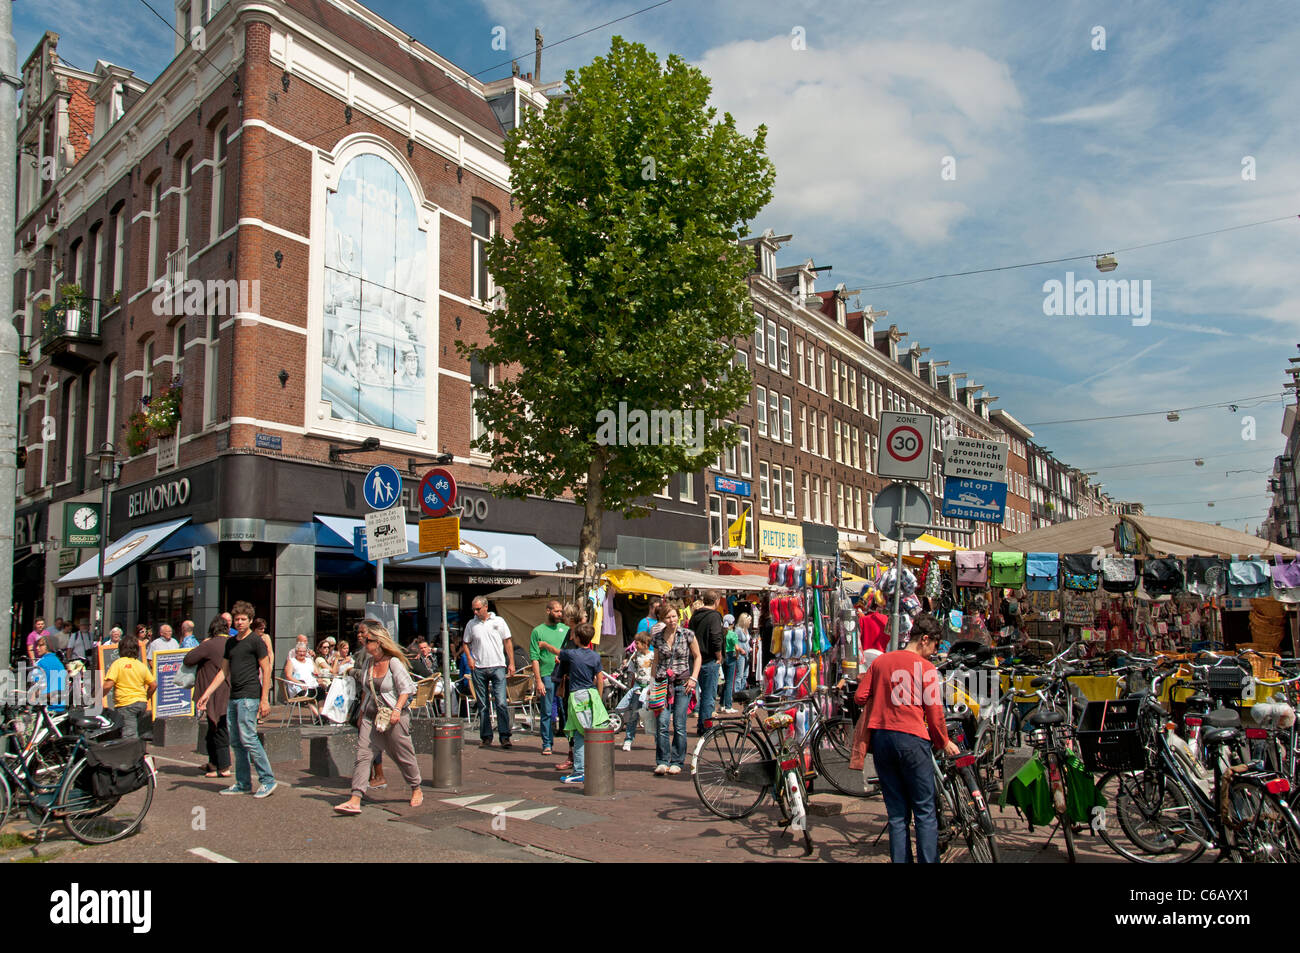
[
  {"x": 972, "y": 568},
  {"x": 1248, "y": 579},
  {"x": 1118, "y": 573},
  {"x": 1162, "y": 576},
  {"x": 1008, "y": 570},
  {"x": 1041, "y": 572},
  {"x": 1078, "y": 572}
]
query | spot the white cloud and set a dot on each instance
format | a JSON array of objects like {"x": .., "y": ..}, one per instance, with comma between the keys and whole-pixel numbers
[{"x": 1131, "y": 105}]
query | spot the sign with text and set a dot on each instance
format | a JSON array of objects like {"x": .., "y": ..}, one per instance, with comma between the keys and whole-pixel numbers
[
  {"x": 975, "y": 459},
  {"x": 779, "y": 539},
  {"x": 386, "y": 533},
  {"x": 905, "y": 441},
  {"x": 81, "y": 524},
  {"x": 170, "y": 700},
  {"x": 982, "y": 500},
  {"x": 738, "y": 487},
  {"x": 440, "y": 535}
]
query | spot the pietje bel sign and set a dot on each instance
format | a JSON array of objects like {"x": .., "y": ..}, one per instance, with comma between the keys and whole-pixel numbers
[{"x": 975, "y": 459}]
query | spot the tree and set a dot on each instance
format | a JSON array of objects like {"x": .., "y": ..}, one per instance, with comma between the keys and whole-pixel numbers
[{"x": 624, "y": 282}]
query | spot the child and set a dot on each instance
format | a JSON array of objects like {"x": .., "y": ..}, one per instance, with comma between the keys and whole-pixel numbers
[
  {"x": 581, "y": 666},
  {"x": 639, "y": 668},
  {"x": 728, "y": 662},
  {"x": 743, "y": 651}
]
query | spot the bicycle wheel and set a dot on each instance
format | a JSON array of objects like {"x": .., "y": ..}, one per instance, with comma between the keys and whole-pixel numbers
[
  {"x": 6, "y": 800},
  {"x": 93, "y": 820},
  {"x": 1264, "y": 829},
  {"x": 1154, "y": 816},
  {"x": 977, "y": 823},
  {"x": 50, "y": 759},
  {"x": 988, "y": 758},
  {"x": 831, "y": 754},
  {"x": 793, "y": 801},
  {"x": 728, "y": 769}
]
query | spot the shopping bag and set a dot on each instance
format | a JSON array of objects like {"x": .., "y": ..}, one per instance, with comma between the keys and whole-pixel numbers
[{"x": 342, "y": 693}]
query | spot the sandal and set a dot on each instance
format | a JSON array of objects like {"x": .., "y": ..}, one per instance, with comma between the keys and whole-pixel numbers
[
  {"x": 546, "y": 751},
  {"x": 417, "y": 797},
  {"x": 217, "y": 774},
  {"x": 346, "y": 808}
]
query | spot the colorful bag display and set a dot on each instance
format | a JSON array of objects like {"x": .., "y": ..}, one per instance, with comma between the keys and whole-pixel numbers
[
  {"x": 1162, "y": 576},
  {"x": 1042, "y": 572},
  {"x": 1248, "y": 579},
  {"x": 1207, "y": 576},
  {"x": 1008, "y": 571},
  {"x": 972, "y": 568},
  {"x": 1077, "y": 572},
  {"x": 1119, "y": 573},
  {"x": 1286, "y": 575}
]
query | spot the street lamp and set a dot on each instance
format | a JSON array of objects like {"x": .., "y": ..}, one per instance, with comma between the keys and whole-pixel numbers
[{"x": 106, "y": 456}]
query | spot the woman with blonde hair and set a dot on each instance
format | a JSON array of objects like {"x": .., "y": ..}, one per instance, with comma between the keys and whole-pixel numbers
[{"x": 385, "y": 721}]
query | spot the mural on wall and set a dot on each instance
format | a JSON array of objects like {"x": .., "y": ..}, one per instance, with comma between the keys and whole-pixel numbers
[{"x": 374, "y": 353}]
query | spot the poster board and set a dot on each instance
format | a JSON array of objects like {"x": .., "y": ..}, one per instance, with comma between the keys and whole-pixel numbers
[{"x": 169, "y": 699}]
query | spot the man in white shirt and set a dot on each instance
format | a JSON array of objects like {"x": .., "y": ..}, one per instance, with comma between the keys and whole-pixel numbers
[
  {"x": 164, "y": 641},
  {"x": 491, "y": 655}
]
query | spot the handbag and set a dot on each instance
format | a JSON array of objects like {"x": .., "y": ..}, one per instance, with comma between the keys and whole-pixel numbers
[
  {"x": 1286, "y": 575},
  {"x": 1008, "y": 570},
  {"x": 1248, "y": 579},
  {"x": 1041, "y": 572},
  {"x": 1078, "y": 572},
  {"x": 972, "y": 568},
  {"x": 383, "y": 714},
  {"x": 657, "y": 696},
  {"x": 1162, "y": 576},
  {"x": 185, "y": 677},
  {"x": 1118, "y": 573},
  {"x": 1206, "y": 576}
]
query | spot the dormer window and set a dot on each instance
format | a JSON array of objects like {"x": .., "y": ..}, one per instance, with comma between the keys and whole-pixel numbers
[
  {"x": 767, "y": 262},
  {"x": 840, "y": 311}
]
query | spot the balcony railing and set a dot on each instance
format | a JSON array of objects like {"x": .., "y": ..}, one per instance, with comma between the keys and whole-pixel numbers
[
  {"x": 71, "y": 318},
  {"x": 177, "y": 267}
]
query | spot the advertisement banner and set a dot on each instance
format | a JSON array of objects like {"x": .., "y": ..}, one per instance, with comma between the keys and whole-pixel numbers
[
  {"x": 170, "y": 700},
  {"x": 779, "y": 539}
]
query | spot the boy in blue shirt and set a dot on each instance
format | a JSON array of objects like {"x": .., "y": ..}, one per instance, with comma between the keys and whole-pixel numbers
[{"x": 581, "y": 666}]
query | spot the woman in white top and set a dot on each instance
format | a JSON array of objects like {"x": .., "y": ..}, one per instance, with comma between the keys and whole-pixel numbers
[
  {"x": 300, "y": 673},
  {"x": 343, "y": 661}
]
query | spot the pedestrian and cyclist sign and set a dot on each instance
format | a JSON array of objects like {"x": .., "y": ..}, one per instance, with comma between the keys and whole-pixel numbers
[
  {"x": 437, "y": 492},
  {"x": 905, "y": 446}
]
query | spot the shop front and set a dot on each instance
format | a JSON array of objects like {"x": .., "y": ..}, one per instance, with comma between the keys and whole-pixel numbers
[{"x": 30, "y": 524}]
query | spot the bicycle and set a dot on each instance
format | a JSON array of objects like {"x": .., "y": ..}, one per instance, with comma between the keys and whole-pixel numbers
[
  {"x": 736, "y": 765},
  {"x": 959, "y": 800},
  {"x": 95, "y": 810}
]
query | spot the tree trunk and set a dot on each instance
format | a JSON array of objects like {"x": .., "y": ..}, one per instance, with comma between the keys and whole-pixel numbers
[{"x": 592, "y": 514}]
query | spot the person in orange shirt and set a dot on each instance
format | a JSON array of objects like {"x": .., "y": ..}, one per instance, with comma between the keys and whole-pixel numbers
[{"x": 902, "y": 719}]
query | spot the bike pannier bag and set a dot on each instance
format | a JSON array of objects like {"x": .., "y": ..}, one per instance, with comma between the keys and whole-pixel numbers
[
  {"x": 1078, "y": 573},
  {"x": 1118, "y": 573},
  {"x": 1286, "y": 575},
  {"x": 1041, "y": 572},
  {"x": 1162, "y": 576},
  {"x": 1206, "y": 575},
  {"x": 972, "y": 568},
  {"x": 1008, "y": 570},
  {"x": 1248, "y": 579},
  {"x": 115, "y": 768}
]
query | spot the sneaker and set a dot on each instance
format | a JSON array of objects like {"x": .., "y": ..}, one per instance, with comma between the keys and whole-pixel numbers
[
  {"x": 485, "y": 743},
  {"x": 675, "y": 769},
  {"x": 571, "y": 779},
  {"x": 627, "y": 746},
  {"x": 266, "y": 790},
  {"x": 507, "y": 745},
  {"x": 661, "y": 769},
  {"x": 235, "y": 789}
]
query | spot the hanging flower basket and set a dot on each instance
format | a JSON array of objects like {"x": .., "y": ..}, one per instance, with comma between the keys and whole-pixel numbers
[{"x": 163, "y": 410}]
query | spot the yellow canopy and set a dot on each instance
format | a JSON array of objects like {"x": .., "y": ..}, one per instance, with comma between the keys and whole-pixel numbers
[
  {"x": 636, "y": 582},
  {"x": 849, "y": 579}
]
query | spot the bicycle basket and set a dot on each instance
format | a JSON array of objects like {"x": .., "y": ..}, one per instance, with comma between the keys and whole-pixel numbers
[
  {"x": 114, "y": 768},
  {"x": 1226, "y": 681},
  {"x": 1109, "y": 736}
]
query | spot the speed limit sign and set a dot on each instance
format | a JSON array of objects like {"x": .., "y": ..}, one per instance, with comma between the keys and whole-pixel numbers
[{"x": 905, "y": 442}]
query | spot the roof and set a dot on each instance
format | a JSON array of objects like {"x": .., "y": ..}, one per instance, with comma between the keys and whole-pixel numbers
[{"x": 1160, "y": 535}]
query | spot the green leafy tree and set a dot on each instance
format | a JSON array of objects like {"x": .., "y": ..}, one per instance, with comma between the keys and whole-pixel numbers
[{"x": 623, "y": 282}]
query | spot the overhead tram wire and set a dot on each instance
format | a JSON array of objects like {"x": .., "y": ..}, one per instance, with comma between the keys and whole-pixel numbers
[
  {"x": 1092, "y": 256},
  {"x": 1206, "y": 456},
  {"x": 1239, "y": 403},
  {"x": 452, "y": 83}
]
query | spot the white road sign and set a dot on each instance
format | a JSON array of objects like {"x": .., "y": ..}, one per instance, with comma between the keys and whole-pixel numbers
[
  {"x": 975, "y": 459},
  {"x": 905, "y": 441},
  {"x": 386, "y": 533}
]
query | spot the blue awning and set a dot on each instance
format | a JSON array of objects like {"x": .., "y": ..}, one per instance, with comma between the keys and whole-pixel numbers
[
  {"x": 123, "y": 552},
  {"x": 480, "y": 550}
]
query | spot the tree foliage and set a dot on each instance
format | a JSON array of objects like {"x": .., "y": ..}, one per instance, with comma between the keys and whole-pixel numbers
[{"x": 622, "y": 282}]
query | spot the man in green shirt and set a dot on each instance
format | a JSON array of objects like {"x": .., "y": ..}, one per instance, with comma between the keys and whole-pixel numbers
[{"x": 544, "y": 649}]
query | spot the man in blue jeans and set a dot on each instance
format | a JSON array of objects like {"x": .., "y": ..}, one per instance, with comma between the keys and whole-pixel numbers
[
  {"x": 706, "y": 623},
  {"x": 490, "y": 651},
  {"x": 247, "y": 667},
  {"x": 544, "y": 649}
]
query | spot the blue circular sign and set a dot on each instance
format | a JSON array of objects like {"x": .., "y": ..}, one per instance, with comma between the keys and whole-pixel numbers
[
  {"x": 437, "y": 491},
  {"x": 383, "y": 487}
]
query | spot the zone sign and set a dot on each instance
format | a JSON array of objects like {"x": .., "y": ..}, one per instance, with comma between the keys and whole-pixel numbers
[{"x": 905, "y": 442}]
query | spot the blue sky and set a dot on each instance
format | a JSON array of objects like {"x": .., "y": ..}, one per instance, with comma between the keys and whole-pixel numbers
[{"x": 1060, "y": 149}]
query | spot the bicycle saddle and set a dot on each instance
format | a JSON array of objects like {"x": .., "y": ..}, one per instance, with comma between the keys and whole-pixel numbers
[
  {"x": 78, "y": 718},
  {"x": 1038, "y": 681},
  {"x": 1223, "y": 718},
  {"x": 745, "y": 696},
  {"x": 1044, "y": 719}
]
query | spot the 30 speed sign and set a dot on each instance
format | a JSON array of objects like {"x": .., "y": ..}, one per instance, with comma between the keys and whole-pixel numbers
[{"x": 905, "y": 441}]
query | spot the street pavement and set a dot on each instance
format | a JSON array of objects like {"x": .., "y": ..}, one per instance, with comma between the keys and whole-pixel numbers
[{"x": 510, "y": 807}]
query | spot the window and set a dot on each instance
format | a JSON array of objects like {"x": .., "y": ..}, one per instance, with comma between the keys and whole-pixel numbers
[
  {"x": 771, "y": 345},
  {"x": 839, "y": 448},
  {"x": 787, "y": 421},
  {"x": 839, "y": 498},
  {"x": 826, "y": 442},
  {"x": 664, "y": 490},
  {"x": 732, "y": 514},
  {"x": 110, "y": 412},
  {"x": 853, "y": 388},
  {"x": 826, "y": 499},
  {"x": 715, "y": 522},
  {"x": 744, "y": 452},
  {"x": 821, "y": 371},
  {"x": 778, "y": 496},
  {"x": 482, "y": 227},
  {"x": 211, "y": 347},
  {"x": 789, "y": 491},
  {"x": 687, "y": 494},
  {"x": 119, "y": 247},
  {"x": 760, "y": 347},
  {"x": 764, "y": 489},
  {"x": 178, "y": 349},
  {"x": 807, "y": 505},
  {"x": 812, "y": 376},
  {"x": 92, "y": 382},
  {"x": 866, "y": 450},
  {"x": 762, "y": 411},
  {"x": 812, "y": 447},
  {"x": 803, "y": 426},
  {"x": 835, "y": 379},
  {"x": 730, "y": 454},
  {"x": 69, "y": 427},
  {"x": 96, "y": 275},
  {"x": 155, "y": 199},
  {"x": 183, "y": 222},
  {"x": 481, "y": 378},
  {"x": 817, "y": 500},
  {"x": 785, "y": 351},
  {"x": 798, "y": 358},
  {"x": 857, "y": 450},
  {"x": 742, "y": 360},
  {"x": 218, "y": 185},
  {"x": 146, "y": 385},
  {"x": 773, "y": 416},
  {"x": 871, "y": 519},
  {"x": 857, "y": 508},
  {"x": 768, "y": 262}
]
